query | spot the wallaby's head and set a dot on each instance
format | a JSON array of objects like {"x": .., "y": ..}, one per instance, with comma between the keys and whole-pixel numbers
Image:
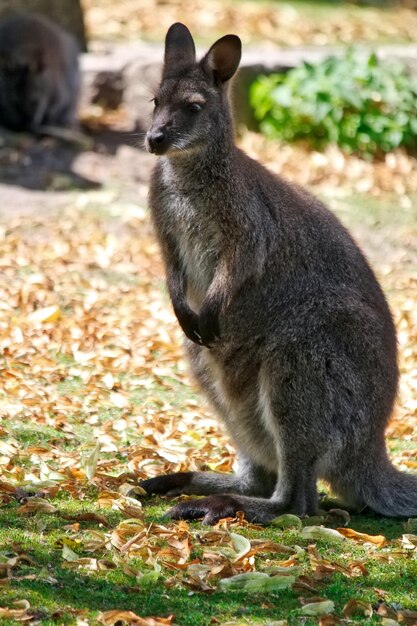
[{"x": 191, "y": 103}]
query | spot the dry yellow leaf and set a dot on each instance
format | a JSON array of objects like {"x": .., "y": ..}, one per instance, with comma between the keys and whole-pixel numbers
[
  {"x": 44, "y": 315},
  {"x": 377, "y": 540},
  {"x": 109, "y": 618},
  {"x": 354, "y": 607},
  {"x": 37, "y": 505}
]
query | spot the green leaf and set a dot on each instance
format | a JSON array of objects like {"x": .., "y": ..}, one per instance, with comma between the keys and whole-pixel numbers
[
  {"x": 318, "y": 608},
  {"x": 241, "y": 545},
  {"x": 68, "y": 554},
  {"x": 411, "y": 525},
  {"x": 321, "y": 532},
  {"x": 355, "y": 100},
  {"x": 148, "y": 579},
  {"x": 287, "y": 521},
  {"x": 90, "y": 463},
  {"x": 256, "y": 582}
]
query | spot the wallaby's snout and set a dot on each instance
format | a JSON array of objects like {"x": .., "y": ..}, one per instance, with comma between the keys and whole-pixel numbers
[{"x": 156, "y": 140}]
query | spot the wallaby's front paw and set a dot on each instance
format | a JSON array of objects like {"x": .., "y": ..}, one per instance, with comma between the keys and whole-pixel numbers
[
  {"x": 169, "y": 485},
  {"x": 189, "y": 323},
  {"x": 209, "y": 328},
  {"x": 211, "y": 509},
  {"x": 193, "y": 333}
]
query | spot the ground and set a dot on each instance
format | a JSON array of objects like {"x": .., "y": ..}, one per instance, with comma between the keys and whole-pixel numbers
[
  {"x": 290, "y": 23},
  {"x": 96, "y": 395}
]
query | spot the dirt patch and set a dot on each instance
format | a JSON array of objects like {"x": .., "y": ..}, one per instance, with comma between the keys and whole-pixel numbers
[{"x": 33, "y": 167}]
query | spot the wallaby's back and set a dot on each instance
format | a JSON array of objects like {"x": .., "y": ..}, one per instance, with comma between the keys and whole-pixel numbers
[{"x": 289, "y": 333}]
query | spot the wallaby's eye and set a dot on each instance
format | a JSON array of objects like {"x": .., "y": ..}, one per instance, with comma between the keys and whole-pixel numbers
[{"x": 194, "y": 107}]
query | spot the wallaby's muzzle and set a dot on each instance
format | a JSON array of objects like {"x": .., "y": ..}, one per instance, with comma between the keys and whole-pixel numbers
[{"x": 156, "y": 140}]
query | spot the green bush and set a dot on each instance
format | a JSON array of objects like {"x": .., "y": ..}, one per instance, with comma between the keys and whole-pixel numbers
[{"x": 363, "y": 104}]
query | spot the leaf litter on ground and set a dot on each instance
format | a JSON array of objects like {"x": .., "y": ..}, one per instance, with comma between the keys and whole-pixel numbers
[
  {"x": 278, "y": 23},
  {"x": 96, "y": 396}
]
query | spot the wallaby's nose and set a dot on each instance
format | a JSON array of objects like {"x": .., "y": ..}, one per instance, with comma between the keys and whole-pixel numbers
[{"x": 155, "y": 139}]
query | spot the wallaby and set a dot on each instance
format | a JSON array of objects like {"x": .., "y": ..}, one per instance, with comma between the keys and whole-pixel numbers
[
  {"x": 39, "y": 74},
  {"x": 287, "y": 329}
]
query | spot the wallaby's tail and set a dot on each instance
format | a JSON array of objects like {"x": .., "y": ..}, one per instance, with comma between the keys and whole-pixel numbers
[{"x": 390, "y": 492}]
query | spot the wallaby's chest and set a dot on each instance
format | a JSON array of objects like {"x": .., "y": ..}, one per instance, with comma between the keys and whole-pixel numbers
[{"x": 189, "y": 223}]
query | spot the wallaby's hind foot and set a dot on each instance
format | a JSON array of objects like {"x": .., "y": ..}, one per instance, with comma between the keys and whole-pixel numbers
[{"x": 213, "y": 508}]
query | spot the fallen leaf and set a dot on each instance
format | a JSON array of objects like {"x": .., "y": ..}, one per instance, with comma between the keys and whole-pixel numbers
[
  {"x": 44, "y": 315},
  {"x": 85, "y": 517},
  {"x": 68, "y": 554},
  {"x": 90, "y": 463},
  {"x": 318, "y": 608},
  {"x": 132, "y": 491},
  {"x": 287, "y": 521},
  {"x": 411, "y": 525},
  {"x": 377, "y": 540},
  {"x": 130, "y": 507},
  {"x": 320, "y": 532},
  {"x": 355, "y": 607},
  {"x": 328, "y": 620},
  {"x": 37, "y": 505},
  {"x": 19, "y": 614},
  {"x": 255, "y": 582},
  {"x": 409, "y": 541},
  {"x": 407, "y": 617},
  {"x": 241, "y": 545},
  {"x": 119, "y": 400},
  {"x": 110, "y": 618}
]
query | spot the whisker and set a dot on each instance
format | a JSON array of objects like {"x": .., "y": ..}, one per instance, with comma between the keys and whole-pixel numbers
[{"x": 137, "y": 139}]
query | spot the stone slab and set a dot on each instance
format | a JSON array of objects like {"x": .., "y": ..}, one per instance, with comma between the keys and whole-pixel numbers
[{"x": 129, "y": 74}]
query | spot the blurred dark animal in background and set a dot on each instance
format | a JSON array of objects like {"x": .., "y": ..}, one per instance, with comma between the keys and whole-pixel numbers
[{"x": 39, "y": 74}]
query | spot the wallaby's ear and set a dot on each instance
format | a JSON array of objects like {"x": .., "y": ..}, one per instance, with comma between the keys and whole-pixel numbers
[
  {"x": 223, "y": 58},
  {"x": 179, "y": 47}
]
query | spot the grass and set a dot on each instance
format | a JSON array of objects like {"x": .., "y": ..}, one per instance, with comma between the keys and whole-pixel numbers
[{"x": 56, "y": 588}]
